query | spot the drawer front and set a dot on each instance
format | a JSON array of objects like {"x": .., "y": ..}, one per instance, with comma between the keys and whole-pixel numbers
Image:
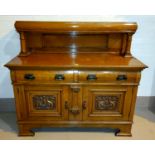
[
  {"x": 43, "y": 76},
  {"x": 108, "y": 77}
]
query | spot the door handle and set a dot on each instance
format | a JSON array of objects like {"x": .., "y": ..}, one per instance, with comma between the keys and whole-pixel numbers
[
  {"x": 84, "y": 105},
  {"x": 66, "y": 105}
]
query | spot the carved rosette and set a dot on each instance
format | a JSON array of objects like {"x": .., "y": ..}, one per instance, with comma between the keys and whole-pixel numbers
[
  {"x": 106, "y": 102},
  {"x": 44, "y": 102}
]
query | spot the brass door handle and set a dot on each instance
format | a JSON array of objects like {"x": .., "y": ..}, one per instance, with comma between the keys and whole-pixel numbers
[
  {"x": 75, "y": 110},
  {"x": 66, "y": 105},
  {"x": 84, "y": 105}
]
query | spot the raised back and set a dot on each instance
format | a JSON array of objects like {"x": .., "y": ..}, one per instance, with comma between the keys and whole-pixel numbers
[{"x": 111, "y": 37}]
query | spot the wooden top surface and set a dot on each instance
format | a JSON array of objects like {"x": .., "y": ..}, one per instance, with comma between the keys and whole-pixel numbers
[
  {"x": 59, "y": 27},
  {"x": 99, "y": 61}
]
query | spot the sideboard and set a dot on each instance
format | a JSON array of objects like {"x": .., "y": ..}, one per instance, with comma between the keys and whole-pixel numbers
[{"x": 75, "y": 74}]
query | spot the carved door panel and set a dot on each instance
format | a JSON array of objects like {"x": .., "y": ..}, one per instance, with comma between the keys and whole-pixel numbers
[
  {"x": 46, "y": 102},
  {"x": 107, "y": 102}
]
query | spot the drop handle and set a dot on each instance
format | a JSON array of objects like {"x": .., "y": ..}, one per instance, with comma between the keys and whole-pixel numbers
[
  {"x": 121, "y": 77},
  {"x": 91, "y": 77},
  {"x": 74, "y": 110},
  {"x": 29, "y": 76},
  {"x": 59, "y": 77}
]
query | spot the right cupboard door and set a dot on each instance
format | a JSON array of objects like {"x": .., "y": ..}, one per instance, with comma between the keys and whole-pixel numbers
[{"x": 107, "y": 103}]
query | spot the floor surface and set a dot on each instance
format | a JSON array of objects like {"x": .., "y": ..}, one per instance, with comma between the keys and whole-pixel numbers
[{"x": 143, "y": 128}]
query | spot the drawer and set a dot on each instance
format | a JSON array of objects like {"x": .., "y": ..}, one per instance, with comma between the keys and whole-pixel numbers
[
  {"x": 105, "y": 76},
  {"x": 43, "y": 76}
]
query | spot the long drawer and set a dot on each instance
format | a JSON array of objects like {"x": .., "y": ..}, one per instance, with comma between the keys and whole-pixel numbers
[
  {"x": 108, "y": 76},
  {"x": 43, "y": 76},
  {"x": 76, "y": 77}
]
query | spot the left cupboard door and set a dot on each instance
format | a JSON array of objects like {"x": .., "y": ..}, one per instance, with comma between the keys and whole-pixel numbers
[{"x": 43, "y": 102}]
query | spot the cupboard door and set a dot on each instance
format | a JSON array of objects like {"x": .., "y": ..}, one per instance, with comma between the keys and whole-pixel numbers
[
  {"x": 44, "y": 102},
  {"x": 105, "y": 103}
]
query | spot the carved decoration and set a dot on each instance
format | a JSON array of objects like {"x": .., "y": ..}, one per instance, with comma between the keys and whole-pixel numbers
[
  {"x": 106, "y": 102},
  {"x": 44, "y": 102}
]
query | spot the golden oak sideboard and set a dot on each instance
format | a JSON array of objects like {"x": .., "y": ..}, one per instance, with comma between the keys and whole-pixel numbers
[{"x": 75, "y": 74}]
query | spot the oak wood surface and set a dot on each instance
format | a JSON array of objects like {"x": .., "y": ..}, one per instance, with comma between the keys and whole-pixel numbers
[
  {"x": 60, "y": 27},
  {"x": 79, "y": 61},
  {"x": 111, "y": 37},
  {"x": 75, "y": 74}
]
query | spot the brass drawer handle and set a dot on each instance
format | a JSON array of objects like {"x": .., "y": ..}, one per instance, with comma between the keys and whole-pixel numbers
[
  {"x": 29, "y": 76},
  {"x": 91, "y": 77},
  {"x": 59, "y": 77},
  {"x": 121, "y": 77}
]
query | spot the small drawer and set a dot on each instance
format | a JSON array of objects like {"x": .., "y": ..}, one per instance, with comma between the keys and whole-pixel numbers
[
  {"x": 43, "y": 76},
  {"x": 105, "y": 76}
]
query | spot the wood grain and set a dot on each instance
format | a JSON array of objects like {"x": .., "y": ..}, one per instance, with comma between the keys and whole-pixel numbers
[
  {"x": 114, "y": 37},
  {"x": 75, "y": 74}
]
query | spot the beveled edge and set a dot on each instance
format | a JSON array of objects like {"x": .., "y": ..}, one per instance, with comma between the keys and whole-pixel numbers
[{"x": 83, "y": 27}]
